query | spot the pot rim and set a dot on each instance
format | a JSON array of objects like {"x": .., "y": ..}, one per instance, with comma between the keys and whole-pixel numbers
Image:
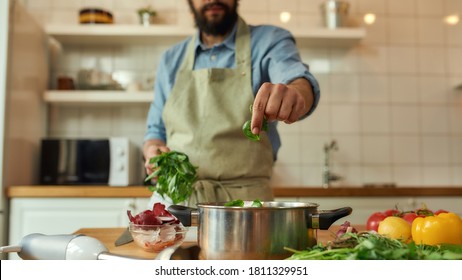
[{"x": 275, "y": 205}]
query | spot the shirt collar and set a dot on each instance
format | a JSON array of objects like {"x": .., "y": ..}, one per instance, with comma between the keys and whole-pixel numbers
[{"x": 229, "y": 42}]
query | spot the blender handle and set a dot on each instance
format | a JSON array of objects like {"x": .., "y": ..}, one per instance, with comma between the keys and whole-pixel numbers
[{"x": 323, "y": 219}]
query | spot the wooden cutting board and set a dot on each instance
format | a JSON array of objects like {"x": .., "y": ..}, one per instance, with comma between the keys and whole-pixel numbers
[{"x": 109, "y": 235}]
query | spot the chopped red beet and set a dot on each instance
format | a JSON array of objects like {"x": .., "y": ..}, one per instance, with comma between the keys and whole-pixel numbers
[{"x": 157, "y": 216}]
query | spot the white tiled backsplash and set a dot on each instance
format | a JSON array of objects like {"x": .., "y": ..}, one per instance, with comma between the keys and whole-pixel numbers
[{"x": 390, "y": 101}]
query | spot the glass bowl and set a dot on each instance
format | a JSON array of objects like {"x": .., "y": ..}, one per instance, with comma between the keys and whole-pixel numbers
[{"x": 155, "y": 238}]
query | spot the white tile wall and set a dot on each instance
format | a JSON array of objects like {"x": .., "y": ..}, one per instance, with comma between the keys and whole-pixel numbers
[
  {"x": 402, "y": 59},
  {"x": 372, "y": 6},
  {"x": 344, "y": 88},
  {"x": 435, "y": 150},
  {"x": 405, "y": 150},
  {"x": 345, "y": 118},
  {"x": 373, "y": 59},
  {"x": 403, "y": 89},
  {"x": 344, "y": 60},
  {"x": 377, "y": 32},
  {"x": 405, "y": 119},
  {"x": 453, "y": 37},
  {"x": 456, "y": 150},
  {"x": 402, "y": 30},
  {"x": 456, "y": 175},
  {"x": 434, "y": 89},
  {"x": 401, "y": 7},
  {"x": 349, "y": 153},
  {"x": 389, "y": 102},
  {"x": 374, "y": 88},
  {"x": 430, "y": 31},
  {"x": 375, "y": 119},
  {"x": 375, "y": 149},
  {"x": 430, "y": 8},
  {"x": 408, "y": 174},
  {"x": 434, "y": 120},
  {"x": 455, "y": 118},
  {"x": 454, "y": 60}
]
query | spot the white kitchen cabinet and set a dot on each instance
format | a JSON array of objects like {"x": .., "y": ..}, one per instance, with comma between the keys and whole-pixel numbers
[{"x": 67, "y": 215}]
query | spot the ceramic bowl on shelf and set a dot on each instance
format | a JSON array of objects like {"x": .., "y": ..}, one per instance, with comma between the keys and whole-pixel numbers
[
  {"x": 155, "y": 238},
  {"x": 91, "y": 15}
]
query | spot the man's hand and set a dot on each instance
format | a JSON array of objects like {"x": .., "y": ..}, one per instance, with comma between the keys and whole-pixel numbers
[
  {"x": 151, "y": 149},
  {"x": 287, "y": 103}
]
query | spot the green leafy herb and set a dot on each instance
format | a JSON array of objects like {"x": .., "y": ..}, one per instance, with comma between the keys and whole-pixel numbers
[
  {"x": 240, "y": 203},
  {"x": 237, "y": 202},
  {"x": 246, "y": 128},
  {"x": 256, "y": 203},
  {"x": 175, "y": 175},
  {"x": 372, "y": 246}
]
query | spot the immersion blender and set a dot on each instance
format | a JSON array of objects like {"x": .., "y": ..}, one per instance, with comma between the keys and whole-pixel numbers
[{"x": 37, "y": 246}]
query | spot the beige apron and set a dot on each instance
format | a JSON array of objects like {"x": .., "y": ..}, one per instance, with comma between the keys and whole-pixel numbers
[{"x": 203, "y": 117}]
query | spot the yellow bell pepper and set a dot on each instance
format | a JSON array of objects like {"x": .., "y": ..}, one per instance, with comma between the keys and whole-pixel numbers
[{"x": 440, "y": 229}]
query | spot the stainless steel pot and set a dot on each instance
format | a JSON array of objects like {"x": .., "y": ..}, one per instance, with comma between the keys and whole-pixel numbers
[{"x": 261, "y": 233}]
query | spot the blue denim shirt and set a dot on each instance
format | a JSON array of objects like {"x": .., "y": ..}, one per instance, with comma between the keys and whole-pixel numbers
[{"x": 275, "y": 59}]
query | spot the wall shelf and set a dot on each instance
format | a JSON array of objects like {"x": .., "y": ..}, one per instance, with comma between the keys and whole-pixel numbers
[
  {"x": 116, "y": 34},
  {"x": 137, "y": 34},
  {"x": 99, "y": 97}
]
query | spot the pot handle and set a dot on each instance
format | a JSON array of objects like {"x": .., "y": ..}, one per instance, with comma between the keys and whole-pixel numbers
[
  {"x": 323, "y": 219},
  {"x": 186, "y": 215}
]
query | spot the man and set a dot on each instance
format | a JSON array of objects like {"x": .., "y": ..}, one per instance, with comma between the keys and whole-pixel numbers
[{"x": 203, "y": 90}]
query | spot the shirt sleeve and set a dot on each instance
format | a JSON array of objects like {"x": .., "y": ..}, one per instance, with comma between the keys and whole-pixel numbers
[{"x": 284, "y": 63}]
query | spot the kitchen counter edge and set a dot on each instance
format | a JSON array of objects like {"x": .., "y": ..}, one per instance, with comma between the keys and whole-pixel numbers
[{"x": 142, "y": 191}]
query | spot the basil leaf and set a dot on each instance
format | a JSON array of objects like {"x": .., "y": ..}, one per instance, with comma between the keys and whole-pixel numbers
[
  {"x": 256, "y": 203},
  {"x": 248, "y": 131},
  {"x": 237, "y": 202}
]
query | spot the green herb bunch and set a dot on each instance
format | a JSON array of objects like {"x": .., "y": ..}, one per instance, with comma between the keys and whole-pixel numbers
[
  {"x": 373, "y": 246},
  {"x": 175, "y": 176}
]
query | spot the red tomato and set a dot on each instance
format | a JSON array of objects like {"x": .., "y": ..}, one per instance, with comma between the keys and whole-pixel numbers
[
  {"x": 392, "y": 212},
  {"x": 439, "y": 211},
  {"x": 410, "y": 217},
  {"x": 374, "y": 220}
]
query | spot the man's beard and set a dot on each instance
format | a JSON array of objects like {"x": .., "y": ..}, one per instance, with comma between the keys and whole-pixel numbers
[{"x": 215, "y": 27}]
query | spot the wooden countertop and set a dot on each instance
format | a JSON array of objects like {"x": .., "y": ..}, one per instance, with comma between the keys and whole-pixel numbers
[
  {"x": 109, "y": 235},
  {"x": 142, "y": 191}
]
